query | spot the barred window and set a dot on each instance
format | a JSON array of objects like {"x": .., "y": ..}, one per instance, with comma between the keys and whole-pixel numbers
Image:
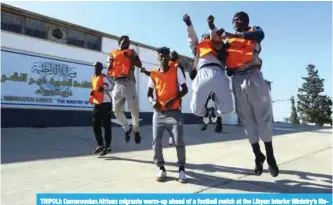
[
  {"x": 47, "y": 30},
  {"x": 94, "y": 42},
  {"x": 11, "y": 22},
  {"x": 36, "y": 28}
]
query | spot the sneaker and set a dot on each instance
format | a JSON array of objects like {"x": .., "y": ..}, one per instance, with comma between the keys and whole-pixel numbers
[
  {"x": 137, "y": 137},
  {"x": 128, "y": 135},
  {"x": 98, "y": 149},
  {"x": 218, "y": 128},
  {"x": 182, "y": 177},
  {"x": 171, "y": 142},
  {"x": 259, "y": 165},
  {"x": 203, "y": 127},
  {"x": 161, "y": 175},
  {"x": 105, "y": 151},
  {"x": 213, "y": 117},
  {"x": 273, "y": 170},
  {"x": 272, "y": 166},
  {"x": 205, "y": 120}
]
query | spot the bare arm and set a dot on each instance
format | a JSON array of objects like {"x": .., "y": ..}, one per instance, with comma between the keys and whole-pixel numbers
[
  {"x": 109, "y": 62},
  {"x": 183, "y": 92},
  {"x": 136, "y": 60},
  {"x": 146, "y": 72},
  {"x": 150, "y": 95}
]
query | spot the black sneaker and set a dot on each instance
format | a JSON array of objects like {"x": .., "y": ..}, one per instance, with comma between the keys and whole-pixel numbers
[
  {"x": 137, "y": 137},
  {"x": 128, "y": 135},
  {"x": 203, "y": 127},
  {"x": 105, "y": 151},
  {"x": 259, "y": 165},
  {"x": 98, "y": 149},
  {"x": 218, "y": 128},
  {"x": 272, "y": 167}
]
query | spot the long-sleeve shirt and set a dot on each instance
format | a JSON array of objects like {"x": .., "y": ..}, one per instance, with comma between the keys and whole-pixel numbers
[
  {"x": 257, "y": 34},
  {"x": 192, "y": 42}
]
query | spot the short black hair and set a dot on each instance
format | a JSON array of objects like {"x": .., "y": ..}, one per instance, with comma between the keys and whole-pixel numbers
[
  {"x": 174, "y": 55},
  {"x": 98, "y": 64},
  {"x": 121, "y": 38},
  {"x": 163, "y": 50},
  {"x": 205, "y": 35},
  {"x": 243, "y": 15}
]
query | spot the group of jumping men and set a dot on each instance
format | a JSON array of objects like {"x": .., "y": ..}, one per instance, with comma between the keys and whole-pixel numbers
[{"x": 220, "y": 57}]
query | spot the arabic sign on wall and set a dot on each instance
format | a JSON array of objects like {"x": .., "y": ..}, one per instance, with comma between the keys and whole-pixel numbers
[{"x": 37, "y": 81}]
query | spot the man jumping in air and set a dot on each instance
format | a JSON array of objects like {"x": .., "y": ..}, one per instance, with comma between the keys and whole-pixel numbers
[
  {"x": 253, "y": 100},
  {"x": 121, "y": 67},
  {"x": 210, "y": 74}
]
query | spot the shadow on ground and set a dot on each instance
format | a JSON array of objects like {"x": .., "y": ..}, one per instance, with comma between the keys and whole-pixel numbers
[
  {"x": 27, "y": 144},
  {"x": 306, "y": 182}
]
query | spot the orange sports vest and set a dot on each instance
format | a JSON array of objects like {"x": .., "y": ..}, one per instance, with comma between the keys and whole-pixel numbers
[
  {"x": 97, "y": 97},
  {"x": 205, "y": 47},
  {"x": 121, "y": 64},
  {"x": 166, "y": 86},
  {"x": 240, "y": 52},
  {"x": 174, "y": 63}
]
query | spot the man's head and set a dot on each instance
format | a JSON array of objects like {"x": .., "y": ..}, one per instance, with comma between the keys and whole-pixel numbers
[
  {"x": 98, "y": 67},
  {"x": 205, "y": 36},
  {"x": 174, "y": 56},
  {"x": 124, "y": 42},
  {"x": 164, "y": 57},
  {"x": 241, "y": 21}
]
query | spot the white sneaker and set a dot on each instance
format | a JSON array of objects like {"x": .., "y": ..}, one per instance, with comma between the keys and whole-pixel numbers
[
  {"x": 182, "y": 177},
  {"x": 171, "y": 142},
  {"x": 205, "y": 120},
  {"x": 161, "y": 175}
]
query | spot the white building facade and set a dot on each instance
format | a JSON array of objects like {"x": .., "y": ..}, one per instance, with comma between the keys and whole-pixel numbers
[{"x": 46, "y": 66}]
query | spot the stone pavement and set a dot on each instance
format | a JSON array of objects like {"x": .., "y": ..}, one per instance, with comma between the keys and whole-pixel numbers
[{"x": 58, "y": 160}]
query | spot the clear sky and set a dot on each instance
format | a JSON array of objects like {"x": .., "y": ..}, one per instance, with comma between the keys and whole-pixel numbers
[{"x": 297, "y": 33}]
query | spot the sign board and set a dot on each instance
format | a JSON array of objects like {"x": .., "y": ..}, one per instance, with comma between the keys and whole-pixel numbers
[{"x": 35, "y": 81}]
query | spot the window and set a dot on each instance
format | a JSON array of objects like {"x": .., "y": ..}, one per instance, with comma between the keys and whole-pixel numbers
[
  {"x": 75, "y": 38},
  {"x": 36, "y": 28},
  {"x": 11, "y": 22},
  {"x": 49, "y": 31},
  {"x": 94, "y": 42}
]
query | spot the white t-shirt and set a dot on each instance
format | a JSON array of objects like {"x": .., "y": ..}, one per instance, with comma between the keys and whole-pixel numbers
[{"x": 180, "y": 79}]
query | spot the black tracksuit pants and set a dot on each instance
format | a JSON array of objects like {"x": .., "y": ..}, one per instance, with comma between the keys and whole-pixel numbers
[{"x": 102, "y": 117}]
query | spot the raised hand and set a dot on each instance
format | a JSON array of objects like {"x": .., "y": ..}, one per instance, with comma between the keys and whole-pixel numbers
[
  {"x": 210, "y": 21},
  {"x": 187, "y": 20}
]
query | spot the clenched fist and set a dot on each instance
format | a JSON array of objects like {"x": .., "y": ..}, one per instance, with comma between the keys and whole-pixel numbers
[{"x": 187, "y": 20}]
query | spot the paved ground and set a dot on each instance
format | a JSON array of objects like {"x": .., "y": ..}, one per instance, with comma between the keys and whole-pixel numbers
[{"x": 58, "y": 160}]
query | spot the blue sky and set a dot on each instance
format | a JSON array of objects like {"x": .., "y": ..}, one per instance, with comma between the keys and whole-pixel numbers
[{"x": 297, "y": 33}]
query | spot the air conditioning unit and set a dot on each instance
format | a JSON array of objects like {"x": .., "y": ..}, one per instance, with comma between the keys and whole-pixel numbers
[{"x": 57, "y": 34}]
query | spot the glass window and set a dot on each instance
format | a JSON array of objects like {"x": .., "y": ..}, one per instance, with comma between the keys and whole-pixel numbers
[
  {"x": 75, "y": 38},
  {"x": 36, "y": 28},
  {"x": 93, "y": 42},
  {"x": 11, "y": 22}
]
